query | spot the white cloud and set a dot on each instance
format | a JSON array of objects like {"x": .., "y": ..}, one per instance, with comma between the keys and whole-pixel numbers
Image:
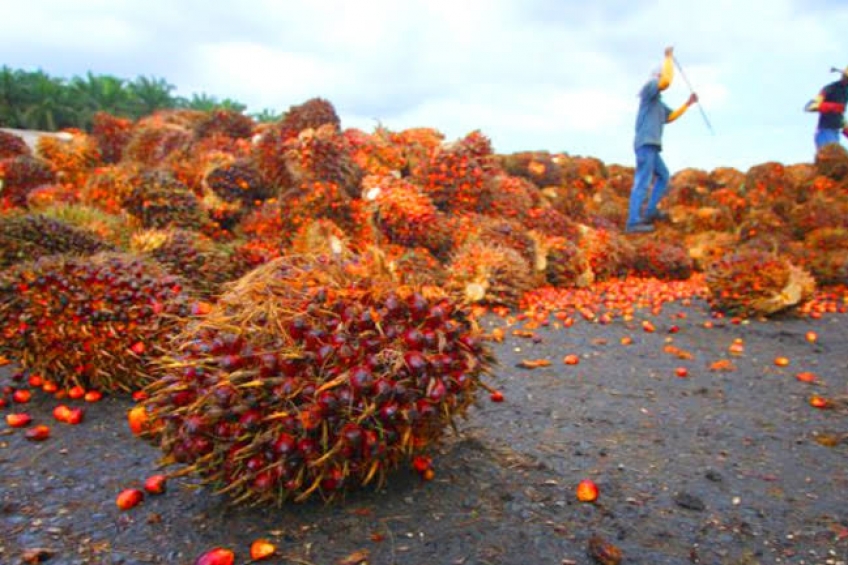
[{"x": 528, "y": 73}]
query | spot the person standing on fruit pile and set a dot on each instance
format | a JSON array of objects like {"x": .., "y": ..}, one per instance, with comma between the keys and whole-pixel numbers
[
  {"x": 830, "y": 104},
  {"x": 650, "y": 169}
]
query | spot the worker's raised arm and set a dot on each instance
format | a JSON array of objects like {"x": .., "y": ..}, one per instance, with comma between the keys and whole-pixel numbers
[
  {"x": 693, "y": 98},
  {"x": 667, "y": 69}
]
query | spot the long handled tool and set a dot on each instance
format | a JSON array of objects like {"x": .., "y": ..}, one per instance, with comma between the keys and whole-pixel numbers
[{"x": 700, "y": 107}]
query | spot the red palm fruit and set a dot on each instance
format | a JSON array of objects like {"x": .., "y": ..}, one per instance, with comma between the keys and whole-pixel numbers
[
  {"x": 217, "y": 556},
  {"x": 436, "y": 390},
  {"x": 3, "y": 402},
  {"x": 333, "y": 480},
  {"x": 262, "y": 549},
  {"x": 361, "y": 380},
  {"x": 284, "y": 445},
  {"x": 587, "y": 491},
  {"x": 138, "y": 348},
  {"x": 49, "y": 387},
  {"x": 76, "y": 392},
  {"x": 264, "y": 481},
  {"x": 421, "y": 463},
  {"x": 139, "y": 395},
  {"x": 75, "y": 416},
  {"x": 352, "y": 435},
  {"x": 415, "y": 362},
  {"x": 496, "y": 396},
  {"x": 413, "y": 338},
  {"x": 38, "y": 433},
  {"x": 155, "y": 484},
  {"x": 35, "y": 380},
  {"x": 571, "y": 359},
  {"x": 93, "y": 396},
  {"x": 21, "y": 396},
  {"x": 138, "y": 419},
  {"x": 18, "y": 420},
  {"x": 61, "y": 413},
  {"x": 129, "y": 498}
]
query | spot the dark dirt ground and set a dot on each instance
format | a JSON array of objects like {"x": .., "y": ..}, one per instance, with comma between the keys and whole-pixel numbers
[{"x": 716, "y": 468}]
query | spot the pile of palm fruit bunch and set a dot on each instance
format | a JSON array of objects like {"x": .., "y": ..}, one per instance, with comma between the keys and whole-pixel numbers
[
  {"x": 312, "y": 375},
  {"x": 750, "y": 281},
  {"x": 112, "y": 134},
  {"x": 203, "y": 264},
  {"x": 488, "y": 227},
  {"x": 92, "y": 321},
  {"x": 20, "y": 175},
  {"x": 12, "y": 145},
  {"x": 26, "y": 237}
]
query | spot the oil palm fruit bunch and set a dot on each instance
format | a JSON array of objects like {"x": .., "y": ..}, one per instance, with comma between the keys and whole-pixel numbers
[
  {"x": 826, "y": 255},
  {"x": 115, "y": 229},
  {"x": 72, "y": 158},
  {"x": 820, "y": 210},
  {"x": 91, "y": 321},
  {"x": 269, "y": 151},
  {"x": 539, "y": 167},
  {"x": 225, "y": 122},
  {"x": 832, "y": 162},
  {"x": 375, "y": 153},
  {"x": 21, "y": 174},
  {"x": 565, "y": 266},
  {"x": 204, "y": 265},
  {"x": 414, "y": 265},
  {"x": 12, "y": 145},
  {"x": 238, "y": 182},
  {"x": 312, "y": 375},
  {"x": 754, "y": 282},
  {"x": 111, "y": 134},
  {"x": 158, "y": 200},
  {"x": 452, "y": 176},
  {"x": 504, "y": 232},
  {"x": 506, "y": 196},
  {"x": 320, "y": 237},
  {"x": 485, "y": 273},
  {"x": 586, "y": 174},
  {"x": 547, "y": 220},
  {"x": 311, "y": 201},
  {"x": 768, "y": 184},
  {"x": 153, "y": 139},
  {"x": 26, "y": 237},
  {"x": 323, "y": 154},
  {"x": 405, "y": 215},
  {"x": 662, "y": 259},
  {"x": 107, "y": 187},
  {"x": 609, "y": 253}
]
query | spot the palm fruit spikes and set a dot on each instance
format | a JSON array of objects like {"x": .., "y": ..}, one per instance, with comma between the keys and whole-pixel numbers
[
  {"x": 94, "y": 321},
  {"x": 312, "y": 375}
]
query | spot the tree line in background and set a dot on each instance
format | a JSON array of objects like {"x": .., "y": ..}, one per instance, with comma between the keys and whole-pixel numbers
[{"x": 38, "y": 101}]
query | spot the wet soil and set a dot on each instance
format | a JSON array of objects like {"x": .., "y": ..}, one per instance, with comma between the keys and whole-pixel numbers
[{"x": 718, "y": 467}]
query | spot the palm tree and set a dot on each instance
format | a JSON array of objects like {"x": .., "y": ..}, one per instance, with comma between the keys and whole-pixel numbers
[
  {"x": 11, "y": 97},
  {"x": 151, "y": 94},
  {"x": 47, "y": 104},
  {"x": 267, "y": 115},
  {"x": 207, "y": 103},
  {"x": 100, "y": 93}
]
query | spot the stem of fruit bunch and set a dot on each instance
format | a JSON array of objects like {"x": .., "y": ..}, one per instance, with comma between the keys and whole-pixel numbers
[
  {"x": 486, "y": 387},
  {"x": 312, "y": 488}
]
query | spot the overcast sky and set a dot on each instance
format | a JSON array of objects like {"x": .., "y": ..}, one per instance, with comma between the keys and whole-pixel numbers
[{"x": 556, "y": 75}]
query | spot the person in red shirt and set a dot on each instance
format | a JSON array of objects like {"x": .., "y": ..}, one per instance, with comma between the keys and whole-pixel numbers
[{"x": 830, "y": 105}]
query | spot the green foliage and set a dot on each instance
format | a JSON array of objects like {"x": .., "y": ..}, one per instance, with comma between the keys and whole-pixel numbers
[{"x": 35, "y": 100}]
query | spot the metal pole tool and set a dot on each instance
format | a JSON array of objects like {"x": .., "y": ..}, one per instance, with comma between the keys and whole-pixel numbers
[{"x": 689, "y": 84}]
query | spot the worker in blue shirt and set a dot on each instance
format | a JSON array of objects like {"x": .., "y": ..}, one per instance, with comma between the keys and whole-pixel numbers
[{"x": 650, "y": 168}]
